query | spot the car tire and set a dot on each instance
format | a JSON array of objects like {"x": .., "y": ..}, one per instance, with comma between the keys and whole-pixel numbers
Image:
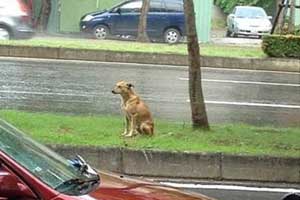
[
  {"x": 4, "y": 33},
  {"x": 228, "y": 33},
  {"x": 101, "y": 32},
  {"x": 292, "y": 196},
  {"x": 172, "y": 36}
]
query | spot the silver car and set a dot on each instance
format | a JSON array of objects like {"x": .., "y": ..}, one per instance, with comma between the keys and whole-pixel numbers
[
  {"x": 15, "y": 20},
  {"x": 248, "y": 21}
]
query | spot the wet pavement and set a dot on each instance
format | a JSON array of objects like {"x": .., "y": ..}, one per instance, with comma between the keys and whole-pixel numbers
[
  {"x": 77, "y": 87},
  {"x": 218, "y": 37}
]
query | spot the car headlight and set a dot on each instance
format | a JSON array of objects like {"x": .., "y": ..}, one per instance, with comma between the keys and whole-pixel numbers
[
  {"x": 270, "y": 25},
  {"x": 87, "y": 18}
]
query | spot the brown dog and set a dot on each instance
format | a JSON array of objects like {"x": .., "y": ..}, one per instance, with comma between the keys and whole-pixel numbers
[{"x": 138, "y": 118}]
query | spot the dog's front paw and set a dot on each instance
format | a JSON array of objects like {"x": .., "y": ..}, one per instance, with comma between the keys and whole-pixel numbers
[
  {"x": 128, "y": 135},
  {"x": 131, "y": 134},
  {"x": 125, "y": 133}
]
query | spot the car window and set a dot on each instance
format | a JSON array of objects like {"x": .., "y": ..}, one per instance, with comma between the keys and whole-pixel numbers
[
  {"x": 250, "y": 13},
  {"x": 4, "y": 3},
  {"x": 174, "y": 5},
  {"x": 131, "y": 7},
  {"x": 156, "y": 6},
  {"x": 234, "y": 11},
  {"x": 44, "y": 164},
  {"x": 8, "y": 4}
]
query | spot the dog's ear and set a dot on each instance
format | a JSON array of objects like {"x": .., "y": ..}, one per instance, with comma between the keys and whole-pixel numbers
[{"x": 129, "y": 85}]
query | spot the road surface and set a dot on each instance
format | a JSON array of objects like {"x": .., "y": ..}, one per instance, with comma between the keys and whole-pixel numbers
[
  {"x": 80, "y": 87},
  {"x": 237, "y": 192}
]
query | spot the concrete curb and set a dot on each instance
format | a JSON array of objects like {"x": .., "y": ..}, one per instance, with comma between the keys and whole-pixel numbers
[
  {"x": 272, "y": 64},
  {"x": 216, "y": 166}
]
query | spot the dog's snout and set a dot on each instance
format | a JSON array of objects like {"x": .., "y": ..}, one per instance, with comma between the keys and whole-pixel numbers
[{"x": 113, "y": 92}]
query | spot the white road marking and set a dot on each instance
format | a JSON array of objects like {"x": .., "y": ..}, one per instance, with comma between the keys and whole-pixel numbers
[
  {"x": 231, "y": 187},
  {"x": 246, "y": 82},
  {"x": 48, "y": 93},
  {"x": 252, "y": 104},
  {"x": 96, "y": 63},
  {"x": 208, "y": 102}
]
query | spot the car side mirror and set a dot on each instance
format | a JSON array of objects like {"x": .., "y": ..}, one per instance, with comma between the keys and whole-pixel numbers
[
  {"x": 11, "y": 187},
  {"x": 270, "y": 17},
  {"x": 232, "y": 15}
]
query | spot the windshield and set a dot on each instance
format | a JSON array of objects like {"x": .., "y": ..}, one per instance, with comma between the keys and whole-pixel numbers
[
  {"x": 250, "y": 13},
  {"x": 42, "y": 162}
]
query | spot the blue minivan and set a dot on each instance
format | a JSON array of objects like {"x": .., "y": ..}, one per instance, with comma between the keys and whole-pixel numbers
[{"x": 165, "y": 20}]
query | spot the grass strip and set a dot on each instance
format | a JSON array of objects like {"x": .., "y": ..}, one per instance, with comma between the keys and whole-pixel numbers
[
  {"x": 105, "y": 131},
  {"x": 131, "y": 46}
]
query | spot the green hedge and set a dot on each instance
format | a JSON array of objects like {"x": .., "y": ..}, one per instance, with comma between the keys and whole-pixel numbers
[
  {"x": 282, "y": 46},
  {"x": 228, "y": 5}
]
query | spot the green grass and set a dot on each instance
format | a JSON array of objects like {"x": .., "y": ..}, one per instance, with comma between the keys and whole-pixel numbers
[
  {"x": 105, "y": 131},
  {"x": 131, "y": 46}
]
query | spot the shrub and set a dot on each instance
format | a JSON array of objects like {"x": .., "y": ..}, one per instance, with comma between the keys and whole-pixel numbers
[
  {"x": 282, "y": 46},
  {"x": 297, "y": 30},
  {"x": 228, "y": 5}
]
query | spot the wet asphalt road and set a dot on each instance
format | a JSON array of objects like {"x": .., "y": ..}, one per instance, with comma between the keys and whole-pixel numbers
[
  {"x": 237, "y": 191},
  {"x": 254, "y": 97},
  {"x": 238, "y": 195}
]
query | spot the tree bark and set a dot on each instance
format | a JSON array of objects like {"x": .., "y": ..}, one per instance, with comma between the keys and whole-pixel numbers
[
  {"x": 42, "y": 20},
  {"x": 142, "y": 28},
  {"x": 280, "y": 23},
  {"x": 291, "y": 27},
  {"x": 199, "y": 116}
]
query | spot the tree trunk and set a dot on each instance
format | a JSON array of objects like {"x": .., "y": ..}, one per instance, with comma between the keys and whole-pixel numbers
[
  {"x": 199, "y": 117},
  {"x": 280, "y": 23},
  {"x": 142, "y": 29},
  {"x": 42, "y": 20},
  {"x": 291, "y": 27}
]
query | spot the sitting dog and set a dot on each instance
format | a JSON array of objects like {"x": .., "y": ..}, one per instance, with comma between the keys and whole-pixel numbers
[{"x": 138, "y": 118}]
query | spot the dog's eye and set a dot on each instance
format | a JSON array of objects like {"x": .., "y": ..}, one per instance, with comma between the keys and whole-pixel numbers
[{"x": 119, "y": 86}]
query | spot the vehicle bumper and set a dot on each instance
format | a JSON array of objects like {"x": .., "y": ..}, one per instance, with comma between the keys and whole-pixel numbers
[
  {"x": 258, "y": 32},
  {"x": 23, "y": 33},
  {"x": 84, "y": 27}
]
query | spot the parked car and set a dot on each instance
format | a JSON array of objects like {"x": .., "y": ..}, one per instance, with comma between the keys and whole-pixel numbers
[
  {"x": 15, "y": 20},
  {"x": 29, "y": 170},
  {"x": 292, "y": 196},
  {"x": 165, "y": 20},
  {"x": 248, "y": 21}
]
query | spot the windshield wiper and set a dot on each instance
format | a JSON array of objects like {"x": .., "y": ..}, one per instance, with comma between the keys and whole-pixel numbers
[
  {"x": 86, "y": 181},
  {"x": 78, "y": 186}
]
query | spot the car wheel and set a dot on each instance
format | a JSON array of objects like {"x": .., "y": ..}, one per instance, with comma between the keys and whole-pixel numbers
[
  {"x": 228, "y": 33},
  {"x": 4, "y": 33},
  {"x": 172, "y": 36},
  {"x": 292, "y": 196},
  {"x": 101, "y": 32}
]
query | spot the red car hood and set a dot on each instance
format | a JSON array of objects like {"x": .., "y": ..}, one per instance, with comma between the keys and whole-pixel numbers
[{"x": 114, "y": 187}]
